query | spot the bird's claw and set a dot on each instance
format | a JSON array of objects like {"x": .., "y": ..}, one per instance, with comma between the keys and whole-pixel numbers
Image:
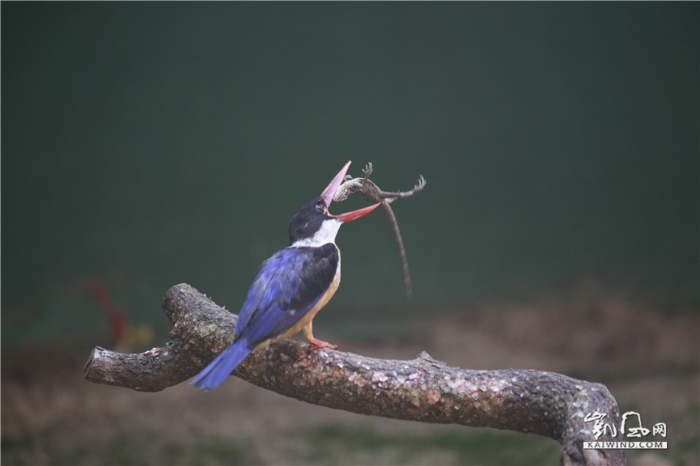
[{"x": 317, "y": 344}]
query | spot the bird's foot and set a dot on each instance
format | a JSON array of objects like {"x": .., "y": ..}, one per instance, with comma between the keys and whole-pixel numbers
[{"x": 318, "y": 344}]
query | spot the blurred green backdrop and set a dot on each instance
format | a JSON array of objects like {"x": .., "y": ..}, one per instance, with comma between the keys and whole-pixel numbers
[{"x": 149, "y": 144}]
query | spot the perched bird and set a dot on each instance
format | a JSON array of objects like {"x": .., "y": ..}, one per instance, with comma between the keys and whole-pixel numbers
[{"x": 290, "y": 287}]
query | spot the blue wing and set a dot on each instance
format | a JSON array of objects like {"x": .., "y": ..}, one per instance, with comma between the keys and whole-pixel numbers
[{"x": 285, "y": 288}]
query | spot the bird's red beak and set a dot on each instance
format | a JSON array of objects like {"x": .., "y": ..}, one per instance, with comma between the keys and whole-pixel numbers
[{"x": 329, "y": 192}]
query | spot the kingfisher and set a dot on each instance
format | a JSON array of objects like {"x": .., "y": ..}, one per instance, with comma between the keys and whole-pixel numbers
[{"x": 290, "y": 287}]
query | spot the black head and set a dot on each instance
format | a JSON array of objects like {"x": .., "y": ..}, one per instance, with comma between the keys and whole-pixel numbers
[
  {"x": 313, "y": 225},
  {"x": 308, "y": 220}
]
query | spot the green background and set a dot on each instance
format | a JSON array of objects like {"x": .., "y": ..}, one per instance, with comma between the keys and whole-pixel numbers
[{"x": 146, "y": 145}]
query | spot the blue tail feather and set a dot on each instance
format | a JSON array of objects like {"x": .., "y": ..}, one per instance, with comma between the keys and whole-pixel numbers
[{"x": 216, "y": 372}]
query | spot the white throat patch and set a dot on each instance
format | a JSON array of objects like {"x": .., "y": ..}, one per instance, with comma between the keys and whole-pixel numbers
[{"x": 325, "y": 234}]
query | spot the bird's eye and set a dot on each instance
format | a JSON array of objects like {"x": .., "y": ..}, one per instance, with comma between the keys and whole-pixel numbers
[{"x": 320, "y": 207}]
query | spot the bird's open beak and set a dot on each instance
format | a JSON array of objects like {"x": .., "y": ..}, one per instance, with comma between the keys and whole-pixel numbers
[{"x": 329, "y": 192}]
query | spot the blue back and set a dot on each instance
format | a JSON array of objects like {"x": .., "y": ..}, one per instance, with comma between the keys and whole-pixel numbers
[{"x": 285, "y": 288}]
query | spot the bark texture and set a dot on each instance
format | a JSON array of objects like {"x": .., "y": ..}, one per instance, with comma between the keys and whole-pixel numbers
[{"x": 422, "y": 389}]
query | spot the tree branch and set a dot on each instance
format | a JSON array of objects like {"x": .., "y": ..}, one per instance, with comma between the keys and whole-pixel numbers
[{"x": 422, "y": 389}]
